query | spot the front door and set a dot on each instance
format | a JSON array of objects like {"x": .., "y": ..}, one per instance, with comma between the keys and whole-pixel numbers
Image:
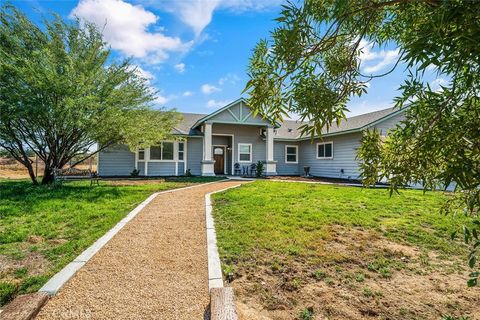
[{"x": 219, "y": 157}]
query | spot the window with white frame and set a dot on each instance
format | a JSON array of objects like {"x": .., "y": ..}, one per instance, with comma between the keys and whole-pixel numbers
[
  {"x": 244, "y": 152},
  {"x": 291, "y": 154},
  {"x": 181, "y": 151},
  {"x": 325, "y": 150},
  {"x": 164, "y": 151},
  {"x": 141, "y": 154}
]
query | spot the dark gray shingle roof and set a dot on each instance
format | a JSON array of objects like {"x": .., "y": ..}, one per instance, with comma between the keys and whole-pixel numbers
[{"x": 290, "y": 128}]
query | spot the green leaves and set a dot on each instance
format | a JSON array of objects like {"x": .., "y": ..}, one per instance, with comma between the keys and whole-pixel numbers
[{"x": 61, "y": 93}]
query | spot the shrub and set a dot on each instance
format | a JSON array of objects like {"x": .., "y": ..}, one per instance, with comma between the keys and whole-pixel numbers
[
  {"x": 260, "y": 168},
  {"x": 188, "y": 173},
  {"x": 306, "y": 314}
]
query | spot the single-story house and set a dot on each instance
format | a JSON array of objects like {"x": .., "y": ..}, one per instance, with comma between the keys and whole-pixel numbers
[{"x": 230, "y": 139}]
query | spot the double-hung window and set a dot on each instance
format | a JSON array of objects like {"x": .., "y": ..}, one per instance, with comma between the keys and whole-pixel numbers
[
  {"x": 325, "y": 150},
  {"x": 181, "y": 151},
  {"x": 162, "y": 152},
  {"x": 244, "y": 152},
  {"x": 291, "y": 154}
]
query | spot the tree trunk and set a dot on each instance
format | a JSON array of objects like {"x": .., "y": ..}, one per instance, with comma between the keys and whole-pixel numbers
[
  {"x": 48, "y": 176},
  {"x": 31, "y": 173}
]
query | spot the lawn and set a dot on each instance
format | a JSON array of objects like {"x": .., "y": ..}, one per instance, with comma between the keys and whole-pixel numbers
[
  {"x": 43, "y": 228},
  {"x": 296, "y": 250}
]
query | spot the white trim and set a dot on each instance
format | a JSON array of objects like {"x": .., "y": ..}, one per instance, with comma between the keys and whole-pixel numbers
[
  {"x": 251, "y": 152},
  {"x": 296, "y": 154},
  {"x": 215, "y": 276},
  {"x": 316, "y": 150},
  {"x": 233, "y": 145}
]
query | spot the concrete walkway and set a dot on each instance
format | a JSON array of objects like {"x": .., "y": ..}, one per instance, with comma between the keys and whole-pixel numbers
[{"x": 154, "y": 268}]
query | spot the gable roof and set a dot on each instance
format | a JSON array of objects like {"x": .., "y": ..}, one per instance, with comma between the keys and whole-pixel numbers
[{"x": 289, "y": 129}]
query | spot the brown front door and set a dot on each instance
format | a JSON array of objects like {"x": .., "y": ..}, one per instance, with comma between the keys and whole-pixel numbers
[{"x": 219, "y": 157}]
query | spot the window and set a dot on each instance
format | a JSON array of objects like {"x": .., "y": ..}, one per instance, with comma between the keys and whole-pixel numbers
[
  {"x": 181, "y": 151},
  {"x": 325, "y": 150},
  {"x": 291, "y": 154},
  {"x": 141, "y": 154},
  {"x": 164, "y": 151},
  {"x": 244, "y": 152}
]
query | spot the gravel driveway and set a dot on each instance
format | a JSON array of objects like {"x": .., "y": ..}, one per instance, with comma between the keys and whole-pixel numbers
[{"x": 154, "y": 268}]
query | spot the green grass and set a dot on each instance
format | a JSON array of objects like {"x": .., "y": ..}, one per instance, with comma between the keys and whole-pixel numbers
[
  {"x": 294, "y": 219},
  {"x": 43, "y": 228},
  {"x": 286, "y": 240}
]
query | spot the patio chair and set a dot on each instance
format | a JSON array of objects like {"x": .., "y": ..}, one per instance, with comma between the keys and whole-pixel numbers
[
  {"x": 253, "y": 169},
  {"x": 237, "y": 170}
]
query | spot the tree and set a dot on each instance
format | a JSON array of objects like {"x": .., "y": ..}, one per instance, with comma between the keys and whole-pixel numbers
[
  {"x": 61, "y": 94},
  {"x": 311, "y": 66}
]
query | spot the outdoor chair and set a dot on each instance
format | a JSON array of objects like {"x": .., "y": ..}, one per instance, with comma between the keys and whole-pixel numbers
[
  {"x": 253, "y": 169},
  {"x": 237, "y": 170}
]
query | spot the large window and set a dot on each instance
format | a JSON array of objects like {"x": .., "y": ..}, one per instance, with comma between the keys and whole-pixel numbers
[
  {"x": 164, "y": 151},
  {"x": 244, "y": 152},
  {"x": 325, "y": 150},
  {"x": 291, "y": 154},
  {"x": 181, "y": 151}
]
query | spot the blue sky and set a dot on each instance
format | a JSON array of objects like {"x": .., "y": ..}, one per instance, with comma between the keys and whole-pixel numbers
[{"x": 195, "y": 52}]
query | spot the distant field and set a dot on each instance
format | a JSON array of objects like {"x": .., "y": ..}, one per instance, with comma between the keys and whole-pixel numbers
[
  {"x": 11, "y": 169},
  {"x": 305, "y": 251}
]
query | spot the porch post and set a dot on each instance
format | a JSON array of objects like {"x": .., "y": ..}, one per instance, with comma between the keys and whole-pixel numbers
[
  {"x": 271, "y": 164},
  {"x": 207, "y": 162}
]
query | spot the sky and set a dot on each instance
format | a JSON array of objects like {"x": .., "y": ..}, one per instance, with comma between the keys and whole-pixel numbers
[{"x": 195, "y": 53}]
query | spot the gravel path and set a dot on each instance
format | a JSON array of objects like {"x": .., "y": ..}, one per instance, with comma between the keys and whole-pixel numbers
[{"x": 154, "y": 268}]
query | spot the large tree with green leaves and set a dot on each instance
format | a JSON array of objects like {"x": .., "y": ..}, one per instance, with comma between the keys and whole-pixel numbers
[
  {"x": 311, "y": 66},
  {"x": 61, "y": 94}
]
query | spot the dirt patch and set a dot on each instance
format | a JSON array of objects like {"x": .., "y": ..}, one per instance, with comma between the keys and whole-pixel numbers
[
  {"x": 32, "y": 264},
  {"x": 369, "y": 277}
]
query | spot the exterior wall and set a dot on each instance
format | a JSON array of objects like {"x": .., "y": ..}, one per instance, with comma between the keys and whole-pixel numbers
[
  {"x": 344, "y": 153},
  {"x": 389, "y": 124},
  {"x": 161, "y": 168},
  {"x": 284, "y": 168},
  {"x": 244, "y": 134},
  {"x": 181, "y": 168},
  {"x": 116, "y": 161},
  {"x": 194, "y": 155}
]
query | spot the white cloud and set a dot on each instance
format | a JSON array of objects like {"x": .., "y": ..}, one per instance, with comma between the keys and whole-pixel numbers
[
  {"x": 380, "y": 59},
  {"x": 197, "y": 14},
  {"x": 229, "y": 78},
  {"x": 209, "y": 88},
  {"x": 143, "y": 73},
  {"x": 187, "y": 93},
  {"x": 161, "y": 99},
  {"x": 180, "y": 67},
  {"x": 214, "y": 104},
  {"x": 126, "y": 28},
  {"x": 438, "y": 83}
]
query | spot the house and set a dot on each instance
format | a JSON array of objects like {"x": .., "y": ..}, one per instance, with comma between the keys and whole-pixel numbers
[{"x": 233, "y": 138}]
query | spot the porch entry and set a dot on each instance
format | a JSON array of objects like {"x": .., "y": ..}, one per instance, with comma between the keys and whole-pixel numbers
[{"x": 219, "y": 157}]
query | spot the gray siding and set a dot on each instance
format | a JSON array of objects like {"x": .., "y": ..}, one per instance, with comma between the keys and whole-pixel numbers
[
  {"x": 194, "y": 155},
  {"x": 244, "y": 134},
  {"x": 389, "y": 124},
  {"x": 344, "y": 153},
  {"x": 161, "y": 168},
  {"x": 181, "y": 168},
  {"x": 141, "y": 167},
  {"x": 116, "y": 161},
  {"x": 279, "y": 156},
  {"x": 238, "y": 113}
]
